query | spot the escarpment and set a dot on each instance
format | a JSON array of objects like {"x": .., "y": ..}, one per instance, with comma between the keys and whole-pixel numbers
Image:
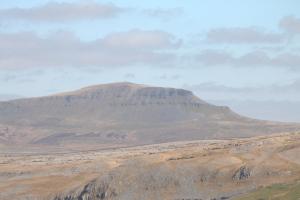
[{"x": 123, "y": 114}]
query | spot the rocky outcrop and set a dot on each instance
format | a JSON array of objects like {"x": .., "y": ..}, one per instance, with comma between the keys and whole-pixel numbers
[
  {"x": 242, "y": 173},
  {"x": 95, "y": 190}
]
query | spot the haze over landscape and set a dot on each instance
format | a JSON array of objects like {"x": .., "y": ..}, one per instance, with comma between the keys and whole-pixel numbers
[
  {"x": 231, "y": 51},
  {"x": 146, "y": 100}
]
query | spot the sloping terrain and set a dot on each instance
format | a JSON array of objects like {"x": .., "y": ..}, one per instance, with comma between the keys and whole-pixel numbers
[
  {"x": 275, "y": 192},
  {"x": 121, "y": 114},
  {"x": 204, "y": 169}
]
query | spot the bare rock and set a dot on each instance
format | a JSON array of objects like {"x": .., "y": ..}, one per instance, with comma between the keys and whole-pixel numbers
[{"x": 242, "y": 173}]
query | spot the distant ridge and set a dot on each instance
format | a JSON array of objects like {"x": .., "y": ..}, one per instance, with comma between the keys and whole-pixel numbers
[
  {"x": 122, "y": 114},
  {"x": 103, "y": 86}
]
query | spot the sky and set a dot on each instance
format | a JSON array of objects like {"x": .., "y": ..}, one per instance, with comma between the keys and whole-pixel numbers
[{"x": 245, "y": 54}]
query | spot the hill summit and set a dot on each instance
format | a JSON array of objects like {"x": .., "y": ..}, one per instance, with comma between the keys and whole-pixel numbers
[{"x": 122, "y": 114}]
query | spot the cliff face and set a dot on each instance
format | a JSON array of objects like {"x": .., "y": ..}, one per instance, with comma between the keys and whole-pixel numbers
[
  {"x": 122, "y": 114},
  {"x": 122, "y": 102}
]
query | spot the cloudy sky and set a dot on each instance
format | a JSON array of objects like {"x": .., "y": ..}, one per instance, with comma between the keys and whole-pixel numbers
[{"x": 245, "y": 54}]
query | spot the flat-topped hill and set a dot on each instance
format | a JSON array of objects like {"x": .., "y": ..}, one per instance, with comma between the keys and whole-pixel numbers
[{"x": 122, "y": 114}]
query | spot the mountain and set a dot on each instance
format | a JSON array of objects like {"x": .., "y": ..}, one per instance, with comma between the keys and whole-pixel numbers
[
  {"x": 7, "y": 97},
  {"x": 122, "y": 114}
]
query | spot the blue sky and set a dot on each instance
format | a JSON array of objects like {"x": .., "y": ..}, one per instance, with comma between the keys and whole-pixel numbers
[{"x": 225, "y": 51}]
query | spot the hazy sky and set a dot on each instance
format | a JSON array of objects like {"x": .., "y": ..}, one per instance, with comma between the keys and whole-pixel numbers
[{"x": 233, "y": 51}]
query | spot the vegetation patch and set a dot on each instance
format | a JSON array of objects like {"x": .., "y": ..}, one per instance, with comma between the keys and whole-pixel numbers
[{"x": 275, "y": 192}]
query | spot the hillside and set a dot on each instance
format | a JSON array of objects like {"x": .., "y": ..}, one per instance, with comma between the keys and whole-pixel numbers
[
  {"x": 253, "y": 168},
  {"x": 122, "y": 114}
]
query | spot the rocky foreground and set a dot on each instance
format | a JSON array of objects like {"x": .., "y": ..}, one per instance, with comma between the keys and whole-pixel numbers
[{"x": 207, "y": 169}]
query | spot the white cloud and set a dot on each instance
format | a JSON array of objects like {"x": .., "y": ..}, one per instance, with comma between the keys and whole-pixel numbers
[
  {"x": 57, "y": 12},
  {"x": 164, "y": 14},
  {"x": 242, "y": 35},
  {"x": 213, "y": 91},
  {"x": 254, "y": 35},
  {"x": 290, "y": 61},
  {"x": 290, "y": 24},
  {"x": 129, "y": 76},
  {"x": 65, "y": 49},
  {"x": 141, "y": 39}
]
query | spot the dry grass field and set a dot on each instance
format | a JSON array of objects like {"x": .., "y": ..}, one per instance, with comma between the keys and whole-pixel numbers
[{"x": 202, "y": 169}]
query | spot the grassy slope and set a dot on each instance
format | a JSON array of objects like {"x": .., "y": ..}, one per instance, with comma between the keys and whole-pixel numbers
[{"x": 275, "y": 192}]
